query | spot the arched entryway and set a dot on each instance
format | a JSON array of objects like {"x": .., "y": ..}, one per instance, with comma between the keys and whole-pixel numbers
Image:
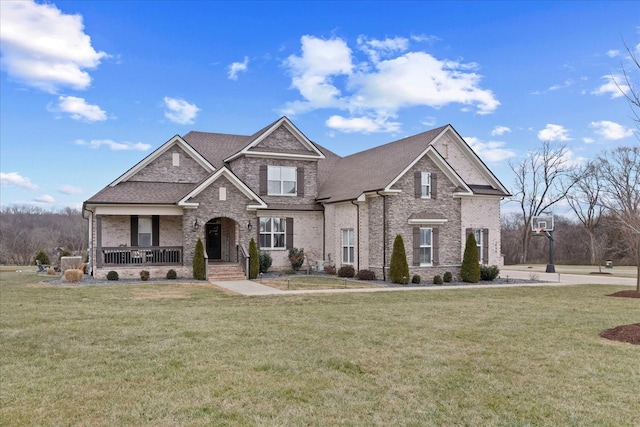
[{"x": 220, "y": 239}]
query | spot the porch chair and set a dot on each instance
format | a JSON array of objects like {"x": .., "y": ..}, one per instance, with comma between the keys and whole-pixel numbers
[{"x": 42, "y": 268}]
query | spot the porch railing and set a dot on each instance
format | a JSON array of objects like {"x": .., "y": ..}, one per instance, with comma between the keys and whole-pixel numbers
[{"x": 153, "y": 255}]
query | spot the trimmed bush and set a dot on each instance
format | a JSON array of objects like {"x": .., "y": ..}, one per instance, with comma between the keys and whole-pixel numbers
[
  {"x": 366, "y": 275},
  {"x": 112, "y": 275},
  {"x": 437, "y": 280},
  {"x": 265, "y": 261},
  {"x": 51, "y": 271},
  {"x": 144, "y": 275},
  {"x": 346, "y": 271},
  {"x": 296, "y": 257},
  {"x": 42, "y": 257},
  {"x": 470, "y": 270},
  {"x": 489, "y": 273},
  {"x": 73, "y": 275},
  {"x": 416, "y": 279},
  {"x": 199, "y": 268},
  {"x": 172, "y": 275},
  {"x": 330, "y": 269},
  {"x": 399, "y": 268},
  {"x": 447, "y": 277},
  {"x": 254, "y": 260}
]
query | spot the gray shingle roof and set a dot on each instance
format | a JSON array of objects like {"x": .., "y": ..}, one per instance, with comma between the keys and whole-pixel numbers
[
  {"x": 139, "y": 192},
  {"x": 373, "y": 169}
]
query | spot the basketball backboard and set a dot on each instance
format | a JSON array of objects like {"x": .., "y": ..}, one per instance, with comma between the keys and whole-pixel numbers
[{"x": 542, "y": 223}]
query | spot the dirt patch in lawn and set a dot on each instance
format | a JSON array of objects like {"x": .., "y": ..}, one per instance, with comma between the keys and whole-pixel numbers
[
  {"x": 625, "y": 294},
  {"x": 623, "y": 333}
]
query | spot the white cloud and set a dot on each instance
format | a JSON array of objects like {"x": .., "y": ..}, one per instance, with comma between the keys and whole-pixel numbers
[
  {"x": 588, "y": 140},
  {"x": 553, "y": 132},
  {"x": 362, "y": 124},
  {"x": 615, "y": 86},
  {"x": 500, "y": 130},
  {"x": 491, "y": 151},
  {"x": 113, "y": 145},
  {"x": 613, "y": 53},
  {"x": 78, "y": 109},
  {"x": 44, "y": 48},
  {"x": 328, "y": 75},
  {"x": 610, "y": 130},
  {"x": 45, "y": 198},
  {"x": 562, "y": 85},
  {"x": 180, "y": 111},
  {"x": 69, "y": 189},
  {"x": 14, "y": 178},
  {"x": 238, "y": 67}
]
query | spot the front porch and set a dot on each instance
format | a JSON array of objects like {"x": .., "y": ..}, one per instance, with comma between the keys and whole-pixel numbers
[{"x": 140, "y": 256}]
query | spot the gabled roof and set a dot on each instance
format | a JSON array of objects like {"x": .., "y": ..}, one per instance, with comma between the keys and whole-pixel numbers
[
  {"x": 223, "y": 172},
  {"x": 176, "y": 140},
  {"x": 141, "y": 192},
  {"x": 374, "y": 169},
  {"x": 309, "y": 151}
]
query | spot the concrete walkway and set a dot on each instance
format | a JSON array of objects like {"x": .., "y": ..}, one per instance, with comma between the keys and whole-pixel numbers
[{"x": 251, "y": 288}]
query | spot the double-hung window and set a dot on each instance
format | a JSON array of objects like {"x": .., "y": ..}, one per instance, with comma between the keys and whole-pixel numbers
[
  {"x": 281, "y": 180},
  {"x": 144, "y": 231},
  {"x": 425, "y": 185},
  {"x": 272, "y": 233},
  {"x": 426, "y": 246},
  {"x": 348, "y": 248}
]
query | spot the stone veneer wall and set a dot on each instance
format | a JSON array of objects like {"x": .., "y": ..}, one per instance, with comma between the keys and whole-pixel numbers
[
  {"x": 162, "y": 169},
  {"x": 483, "y": 212}
]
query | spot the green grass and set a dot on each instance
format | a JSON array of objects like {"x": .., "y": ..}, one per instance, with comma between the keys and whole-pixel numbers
[
  {"x": 316, "y": 282},
  {"x": 185, "y": 354}
]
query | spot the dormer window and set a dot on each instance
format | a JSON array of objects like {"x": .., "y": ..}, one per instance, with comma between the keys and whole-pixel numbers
[{"x": 281, "y": 181}]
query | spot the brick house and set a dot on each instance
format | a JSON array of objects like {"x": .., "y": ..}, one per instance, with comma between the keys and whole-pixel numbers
[{"x": 285, "y": 191}]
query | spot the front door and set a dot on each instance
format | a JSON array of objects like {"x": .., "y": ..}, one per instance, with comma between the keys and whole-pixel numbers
[{"x": 214, "y": 241}]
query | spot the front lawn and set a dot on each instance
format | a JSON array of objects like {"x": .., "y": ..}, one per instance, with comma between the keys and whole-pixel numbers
[{"x": 189, "y": 354}]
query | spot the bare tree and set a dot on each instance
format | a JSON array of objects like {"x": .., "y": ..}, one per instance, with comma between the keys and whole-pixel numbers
[
  {"x": 620, "y": 173},
  {"x": 628, "y": 88},
  {"x": 584, "y": 200},
  {"x": 542, "y": 179}
]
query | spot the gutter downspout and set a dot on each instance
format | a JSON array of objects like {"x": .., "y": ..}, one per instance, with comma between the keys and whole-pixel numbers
[
  {"x": 90, "y": 242},
  {"x": 384, "y": 235},
  {"x": 357, "y": 231}
]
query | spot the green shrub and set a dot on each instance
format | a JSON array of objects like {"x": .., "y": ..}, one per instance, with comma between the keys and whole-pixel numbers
[
  {"x": 447, "y": 276},
  {"x": 42, "y": 257},
  {"x": 470, "y": 270},
  {"x": 144, "y": 275},
  {"x": 73, "y": 275},
  {"x": 296, "y": 257},
  {"x": 265, "y": 261},
  {"x": 437, "y": 280},
  {"x": 399, "y": 268},
  {"x": 489, "y": 273},
  {"x": 172, "y": 275},
  {"x": 346, "y": 271},
  {"x": 254, "y": 260},
  {"x": 112, "y": 275},
  {"x": 330, "y": 269},
  {"x": 416, "y": 279},
  {"x": 199, "y": 267},
  {"x": 366, "y": 275}
]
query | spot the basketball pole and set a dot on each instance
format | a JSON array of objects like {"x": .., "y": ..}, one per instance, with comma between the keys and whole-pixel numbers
[{"x": 550, "y": 267}]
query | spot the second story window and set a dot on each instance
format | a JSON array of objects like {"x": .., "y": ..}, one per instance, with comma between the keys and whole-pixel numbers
[
  {"x": 281, "y": 180},
  {"x": 425, "y": 185}
]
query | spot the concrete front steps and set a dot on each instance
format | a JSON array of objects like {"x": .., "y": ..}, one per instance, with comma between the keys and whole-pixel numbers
[{"x": 223, "y": 271}]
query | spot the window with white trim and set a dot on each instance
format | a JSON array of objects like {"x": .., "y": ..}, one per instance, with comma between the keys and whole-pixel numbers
[
  {"x": 272, "y": 233},
  {"x": 348, "y": 247},
  {"x": 426, "y": 246},
  {"x": 425, "y": 185},
  {"x": 144, "y": 231},
  {"x": 281, "y": 180}
]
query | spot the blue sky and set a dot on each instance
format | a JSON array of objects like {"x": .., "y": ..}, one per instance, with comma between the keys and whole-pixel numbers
[{"x": 89, "y": 88}]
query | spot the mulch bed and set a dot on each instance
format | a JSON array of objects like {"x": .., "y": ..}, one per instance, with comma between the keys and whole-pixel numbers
[{"x": 624, "y": 333}]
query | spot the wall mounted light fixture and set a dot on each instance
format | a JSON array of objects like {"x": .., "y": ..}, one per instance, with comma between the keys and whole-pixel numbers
[
  {"x": 196, "y": 225},
  {"x": 249, "y": 226}
]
